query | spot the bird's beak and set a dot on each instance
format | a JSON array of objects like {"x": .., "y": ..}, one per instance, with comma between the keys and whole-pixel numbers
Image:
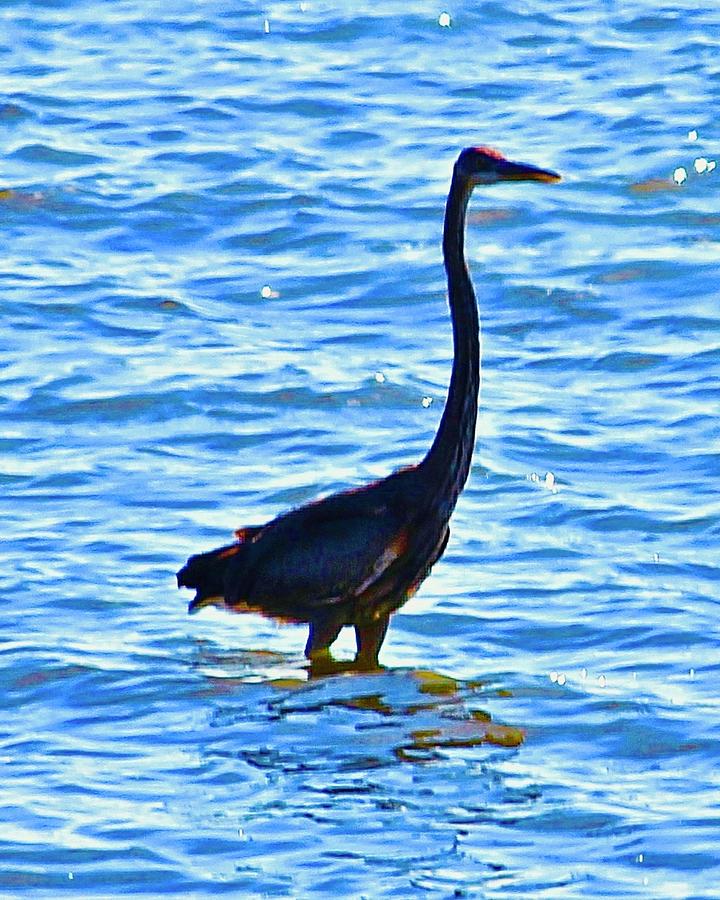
[{"x": 512, "y": 171}]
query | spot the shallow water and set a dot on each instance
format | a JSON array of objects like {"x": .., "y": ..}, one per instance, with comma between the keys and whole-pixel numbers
[{"x": 222, "y": 295}]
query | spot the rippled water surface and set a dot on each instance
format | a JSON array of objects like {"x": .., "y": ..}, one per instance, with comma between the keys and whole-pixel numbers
[{"x": 222, "y": 295}]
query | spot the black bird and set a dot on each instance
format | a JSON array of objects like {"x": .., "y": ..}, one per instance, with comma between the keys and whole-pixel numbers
[{"x": 355, "y": 557}]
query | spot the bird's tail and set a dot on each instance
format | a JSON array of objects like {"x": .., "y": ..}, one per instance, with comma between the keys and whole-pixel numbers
[{"x": 205, "y": 572}]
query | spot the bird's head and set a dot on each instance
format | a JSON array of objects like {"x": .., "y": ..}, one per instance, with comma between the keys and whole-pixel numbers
[{"x": 482, "y": 165}]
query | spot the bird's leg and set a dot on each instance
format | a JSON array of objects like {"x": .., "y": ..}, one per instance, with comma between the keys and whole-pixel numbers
[
  {"x": 369, "y": 637},
  {"x": 323, "y": 632}
]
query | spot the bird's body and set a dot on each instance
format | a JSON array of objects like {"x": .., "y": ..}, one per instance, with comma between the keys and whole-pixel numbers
[{"x": 355, "y": 557}]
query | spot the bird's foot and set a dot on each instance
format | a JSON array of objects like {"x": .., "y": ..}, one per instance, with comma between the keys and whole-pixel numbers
[{"x": 322, "y": 664}]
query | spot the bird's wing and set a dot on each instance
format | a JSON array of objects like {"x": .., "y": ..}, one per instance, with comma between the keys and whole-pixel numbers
[
  {"x": 319, "y": 555},
  {"x": 247, "y": 533}
]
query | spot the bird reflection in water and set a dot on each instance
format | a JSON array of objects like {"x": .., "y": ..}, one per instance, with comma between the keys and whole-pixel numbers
[
  {"x": 418, "y": 714},
  {"x": 356, "y": 557}
]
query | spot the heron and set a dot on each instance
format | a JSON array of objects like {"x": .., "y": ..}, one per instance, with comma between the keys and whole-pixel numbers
[{"x": 355, "y": 557}]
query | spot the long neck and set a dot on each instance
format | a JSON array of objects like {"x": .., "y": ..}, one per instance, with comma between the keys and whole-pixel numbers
[{"x": 449, "y": 457}]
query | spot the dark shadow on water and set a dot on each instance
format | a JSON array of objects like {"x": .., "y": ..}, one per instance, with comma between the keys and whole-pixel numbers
[{"x": 409, "y": 715}]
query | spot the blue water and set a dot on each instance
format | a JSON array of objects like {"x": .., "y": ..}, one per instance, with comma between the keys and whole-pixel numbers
[{"x": 222, "y": 295}]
